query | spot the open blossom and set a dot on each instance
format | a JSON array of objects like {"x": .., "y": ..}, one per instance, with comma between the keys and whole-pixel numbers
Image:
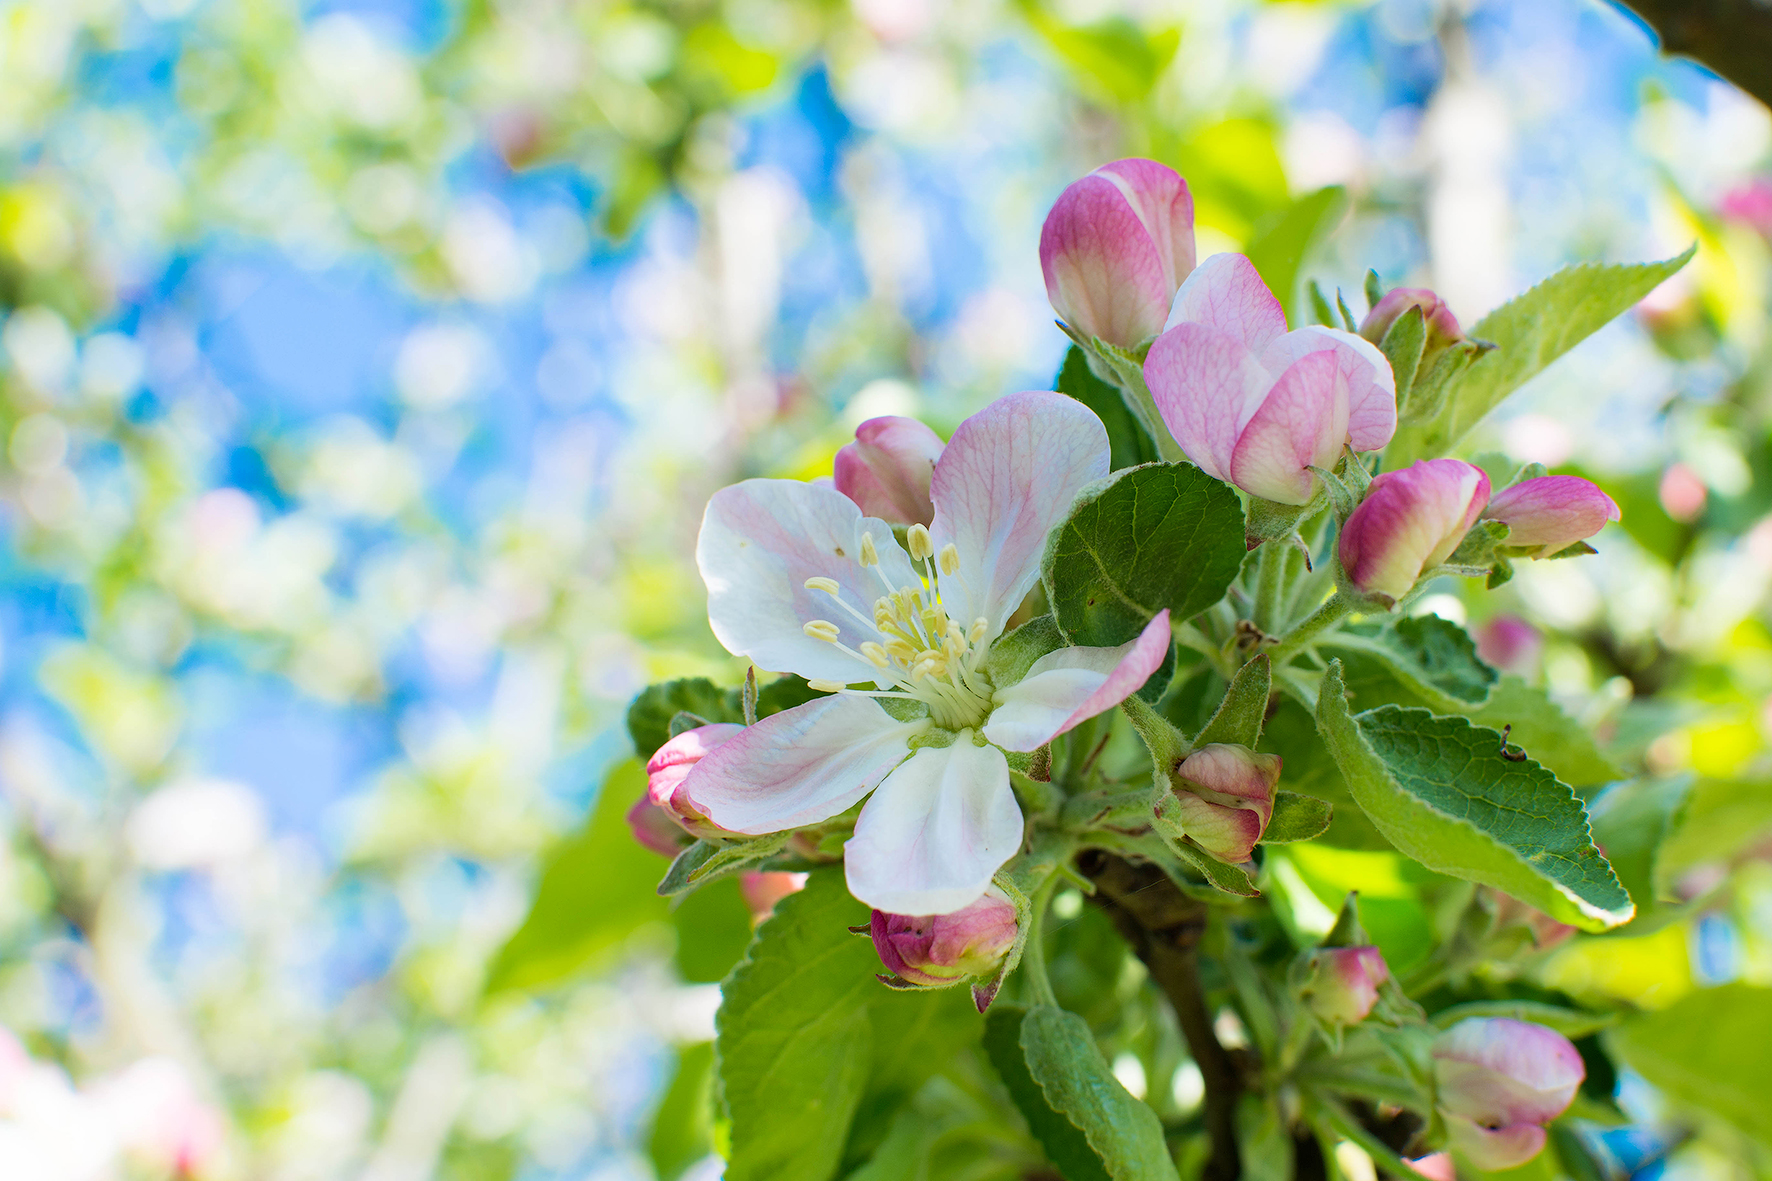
[
  {"x": 799, "y": 580},
  {"x": 1499, "y": 1081},
  {"x": 1115, "y": 247},
  {"x": 887, "y": 470},
  {"x": 1549, "y": 513},
  {"x": 1255, "y": 405},
  {"x": 935, "y": 950},
  {"x": 1410, "y": 521},
  {"x": 1226, "y": 797},
  {"x": 1344, "y": 986}
]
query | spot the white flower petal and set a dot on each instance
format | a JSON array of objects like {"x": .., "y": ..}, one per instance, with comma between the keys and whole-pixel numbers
[
  {"x": 1007, "y": 479},
  {"x": 938, "y": 828},
  {"x": 760, "y": 541},
  {"x": 799, "y": 766},
  {"x": 1066, "y": 687}
]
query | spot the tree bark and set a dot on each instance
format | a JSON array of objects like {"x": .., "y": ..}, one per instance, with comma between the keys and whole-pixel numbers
[
  {"x": 1164, "y": 927},
  {"x": 1731, "y": 37}
]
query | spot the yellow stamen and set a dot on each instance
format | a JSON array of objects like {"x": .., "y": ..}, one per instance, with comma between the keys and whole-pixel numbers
[
  {"x": 920, "y": 545},
  {"x": 980, "y": 626},
  {"x": 826, "y": 686},
  {"x": 876, "y": 654},
  {"x": 949, "y": 559},
  {"x": 822, "y": 629},
  {"x": 869, "y": 555},
  {"x": 827, "y": 585}
]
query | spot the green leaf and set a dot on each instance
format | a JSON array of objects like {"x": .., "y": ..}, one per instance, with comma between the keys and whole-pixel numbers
[
  {"x": 1129, "y": 443},
  {"x": 649, "y": 717},
  {"x": 1630, "y": 822},
  {"x": 682, "y": 1127},
  {"x": 1529, "y": 331},
  {"x": 915, "y": 1033},
  {"x": 794, "y": 1040},
  {"x": 1114, "y": 57},
  {"x": 1064, "y": 1142},
  {"x": 713, "y": 929},
  {"x": 1240, "y": 715},
  {"x": 1721, "y": 818},
  {"x": 1707, "y": 1053},
  {"x": 1571, "y": 1023},
  {"x": 1544, "y": 731},
  {"x": 1442, "y": 792},
  {"x": 1402, "y": 346},
  {"x": 596, "y": 889},
  {"x": 1280, "y": 251},
  {"x": 1162, "y": 535},
  {"x": 1433, "y": 659},
  {"x": 1296, "y": 818}
]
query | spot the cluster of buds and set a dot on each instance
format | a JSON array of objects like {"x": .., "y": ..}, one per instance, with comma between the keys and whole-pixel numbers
[{"x": 1498, "y": 1082}]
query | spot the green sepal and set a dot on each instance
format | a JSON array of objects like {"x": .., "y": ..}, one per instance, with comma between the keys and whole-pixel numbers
[
  {"x": 709, "y": 860},
  {"x": 1296, "y": 818},
  {"x": 1319, "y": 305},
  {"x": 1239, "y": 717},
  {"x": 1374, "y": 289},
  {"x": 1402, "y": 346}
]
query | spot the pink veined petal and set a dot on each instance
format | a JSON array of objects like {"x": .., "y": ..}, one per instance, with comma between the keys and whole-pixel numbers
[
  {"x": 1069, "y": 686},
  {"x": 1226, "y": 293},
  {"x": 1206, "y": 385},
  {"x": 935, "y": 832},
  {"x": 1553, "y": 511},
  {"x": 1007, "y": 479},
  {"x": 799, "y": 766},
  {"x": 1371, "y": 387},
  {"x": 1411, "y": 519},
  {"x": 1499, "y": 1070},
  {"x": 1302, "y": 423},
  {"x": 888, "y": 468},
  {"x": 760, "y": 541},
  {"x": 1103, "y": 272},
  {"x": 1160, "y": 198}
]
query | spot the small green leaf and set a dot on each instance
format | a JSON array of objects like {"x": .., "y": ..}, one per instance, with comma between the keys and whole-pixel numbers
[
  {"x": 1129, "y": 444},
  {"x": 649, "y": 717},
  {"x": 1571, "y": 1023},
  {"x": 1122, "y": 1133},
  {"x": 1015, "y": 652},
  {"x": 1434, "y": 659},
  {"x": 1529, "y": 331},
  {"x": 1721, "y": 818},
  {"x": 1280, "y": 251},
  {"x": 1442, "y": 792},
  {"x": 1630, "y": 822},
  {"x": 1296, "y": 818},
  {"x": 1402, "y": 346},
  {"x": 595, "y": 890},
  {"x": 1707, "y": 1054},
  {"x": 1240, "y": 715},
  {"x": 682, "y": 1127},
  {"x": 1064, "y": 1142},
  {"x": 1162, "y": 535}
]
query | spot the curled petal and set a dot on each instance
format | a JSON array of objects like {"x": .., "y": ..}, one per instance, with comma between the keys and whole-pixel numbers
[
  {"x": 1207, "y": 385},
  {"x": 799, "y": 766},
  {"x": 760, "y": 541},
  {"x": 1071, "y": 685},
  {"x": 1551, "y": 512},
  {"x": 1007, "y": 478},
  {"x": 1226, "y": 293},
  {"x": 1301, "y": 424},
  {"x": 932, "y": 836},
  {"x": 887, "y": 469},
  {"x": 1410, "y": 520},
  {"x": 1371, "y": 386}
]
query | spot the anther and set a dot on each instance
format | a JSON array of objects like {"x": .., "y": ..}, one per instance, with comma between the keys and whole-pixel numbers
[
  {"x": 827, "y": 585},
  {"x": 980, "y": 626},
  {"x": 869, "y": 555},
  {"x": 949, "y": 560},
  {"x": 876, "y": 654},
  {"x": 826, "y": 686},
  {"x": 918, "y": 539},
  {"x": 822, "y": 629}
]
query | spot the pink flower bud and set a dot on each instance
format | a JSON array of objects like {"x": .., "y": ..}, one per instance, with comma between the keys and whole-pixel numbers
[
  {"x": 938, "y": 949},
  {"x": 1345, "y": 983},
  {"x": 1411, "y": 520},
  {"x": 1750, "y": 203},
  {"x": 1511, "y": 645},
  {"x": 670, "y": 766},
  {"x": 1499, "y": 1081},
  {"x": 1115, "y": 248},
  {"x": 1226, "y": 795},
  {"x": 1548, "y": 513},
  {"x": 654, "y": 828},
  {"x": 888, "y": 468},
  {"x": 762, "y": 889},
  {"x": 1442, "y": 326}
]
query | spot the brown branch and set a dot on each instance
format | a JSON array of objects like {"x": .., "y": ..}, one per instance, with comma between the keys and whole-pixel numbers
[
  {"x": 1732, "y": 37},
  {"x": 1164, "y": 927}
]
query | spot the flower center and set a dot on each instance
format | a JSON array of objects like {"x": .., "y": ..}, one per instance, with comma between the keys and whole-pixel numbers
[{"x": 912, "y": 644}]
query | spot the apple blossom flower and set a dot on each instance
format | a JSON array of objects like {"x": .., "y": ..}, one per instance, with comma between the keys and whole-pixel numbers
[
  {"x": 887, "y": 469},
  {"x": 1410, "y": 521},
  {"x": 1255, "y": 405},
  {"x": 1344, "y": 983},
  {"x": 1549, "y": 513},
  {"x": 935, "y": 950},
  {"x": 799, "y": 580},
  {"x": 670, "y": 766},
  {"x": 1498, "y": 1082},
  {"x": 1442, "y": 326},
  {"x": 1226, "y": 798},
  {"x": 1115, "y": 248}
]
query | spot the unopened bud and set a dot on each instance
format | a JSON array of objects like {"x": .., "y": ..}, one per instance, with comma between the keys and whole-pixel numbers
[
  {"x": 935, "y": 950},
  {"x": 888, "y": 468},
  {"x": 1442, "y": 326},
  {"x": 1344, "y": 983},
  {"x": 667, "y": 770},
  {"x": 1549, "y": 513},
  {"x": 762, "y": 889},
  {"x": 1225, "y": 795},
  {"x": 1411, "y": 520},
  {"x": 1498, "y": 1082}
]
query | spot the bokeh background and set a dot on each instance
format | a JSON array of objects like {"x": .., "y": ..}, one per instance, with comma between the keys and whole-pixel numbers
[{"x": 364, "y": 367}]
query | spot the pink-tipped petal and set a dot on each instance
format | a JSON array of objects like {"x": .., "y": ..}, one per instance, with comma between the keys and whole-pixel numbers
[
  {"x": 1104, "y": 274},
  {"x": 1302, "y": 423},
  {"x": 799, "y": 766},
  {"x": 760, "y": 541},
  {"x": 1007, "y": 479},
  {"x": 1206, "y": 384},
  {"x": 1552, "y": 511},
  {"x": 1411, "y": 519},
  {"x": 1065, "y": 688},
  {"x": 930, "y": 839},
  {"x": 1226, "y": 293},
  {"x": 1371, "y": 387},
  {"x": 1165, "y": 208},
  {"x": 887, "y": 470}
]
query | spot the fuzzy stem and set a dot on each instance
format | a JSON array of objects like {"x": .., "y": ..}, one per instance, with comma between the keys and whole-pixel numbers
[
  {"x": 1034, "y": 958},
  {"x": 1270, "y": 585},
  {"x": 1324, "y": 617}
]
